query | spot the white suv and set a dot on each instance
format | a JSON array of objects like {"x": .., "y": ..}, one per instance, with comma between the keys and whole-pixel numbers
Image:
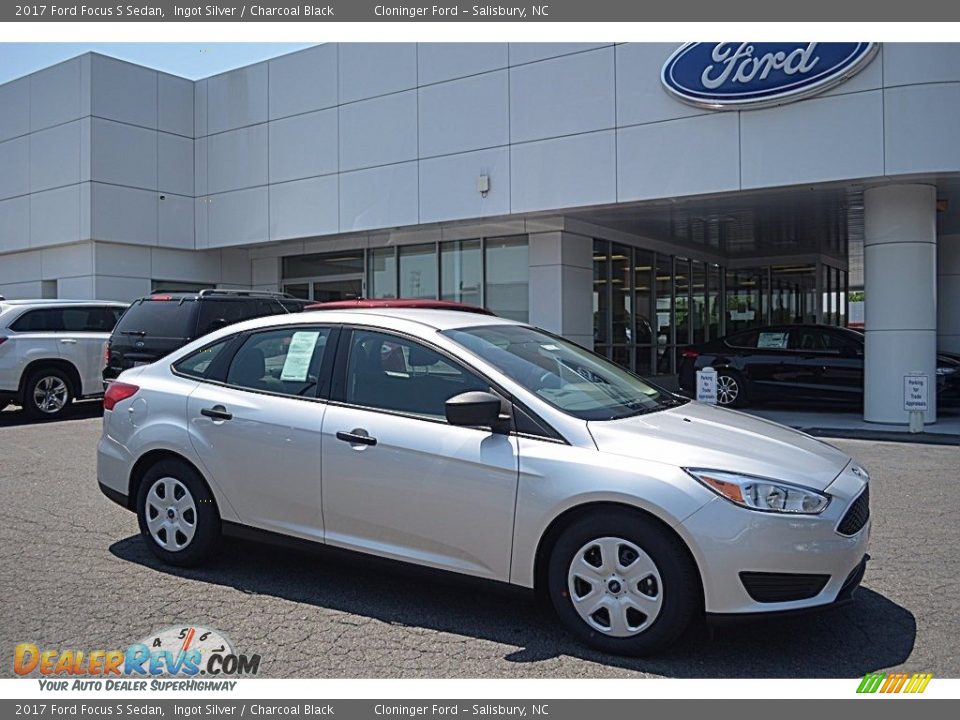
[{"x": 51, "y": 351}]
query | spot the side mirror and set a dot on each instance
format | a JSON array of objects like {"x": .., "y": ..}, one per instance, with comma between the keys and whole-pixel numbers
[{"x": 474, "y": 409}]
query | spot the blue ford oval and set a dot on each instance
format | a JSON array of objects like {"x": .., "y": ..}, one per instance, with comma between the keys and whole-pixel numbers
[{"x": 731, "y": 75}]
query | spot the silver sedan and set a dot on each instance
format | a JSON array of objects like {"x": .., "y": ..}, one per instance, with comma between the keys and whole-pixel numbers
[{"x": 487, "y": 447}]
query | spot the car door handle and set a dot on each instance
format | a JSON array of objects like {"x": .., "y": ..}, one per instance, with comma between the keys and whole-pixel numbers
[
  {"x": 217, "y": 412},
  {"x": 356, "y": 439},
  {"x": 68, "y": 341}
]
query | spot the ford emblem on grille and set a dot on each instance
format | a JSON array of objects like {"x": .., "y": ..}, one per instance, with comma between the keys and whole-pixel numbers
[{"x": 741, "y": 75}]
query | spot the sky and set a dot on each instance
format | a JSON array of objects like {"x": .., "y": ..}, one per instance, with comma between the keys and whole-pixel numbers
[{"x": 189, "y": 60}]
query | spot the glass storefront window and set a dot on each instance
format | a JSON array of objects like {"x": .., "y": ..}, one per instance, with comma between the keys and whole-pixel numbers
[
  {"x": 621, "y": 299},
  {"x": 601, "y": 294},
  {"x": 418, "y": 271},
  {"x": 664, "y": 324},
  {"x": 714, "y": 302},
  {"x": 681, "y": 292},
  {"x": 643, "y": 268},
  {"x": 507, "y": 277},
  {"x": 461, "y": 268},
  {"x": 744, "y": 293},
  {"x": 383, "y": 273},
  {"x": 698, "y": 302}
]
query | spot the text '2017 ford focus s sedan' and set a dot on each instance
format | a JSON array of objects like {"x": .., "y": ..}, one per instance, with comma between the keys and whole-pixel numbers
[{"x": 487, "y": 447}]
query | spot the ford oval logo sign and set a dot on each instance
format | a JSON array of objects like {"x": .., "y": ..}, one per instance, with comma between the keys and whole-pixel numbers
[{"x": 739, "y": 75}]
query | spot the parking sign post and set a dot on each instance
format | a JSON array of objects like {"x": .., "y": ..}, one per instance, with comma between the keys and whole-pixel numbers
[
  {"x": 915, "y": 399},
  {"x": 707, "y": 386}
]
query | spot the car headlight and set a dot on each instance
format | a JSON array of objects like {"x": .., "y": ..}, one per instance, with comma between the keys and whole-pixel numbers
[{"x": 762, "y": 494}]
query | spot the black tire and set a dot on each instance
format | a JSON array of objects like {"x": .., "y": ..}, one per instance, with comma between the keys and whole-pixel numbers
[
  {"x": 47, "y": 381},
  {"x": 738, "y": 383},
  {"x": 206, "y": 534},
  {"x": 681, "y": 594}
]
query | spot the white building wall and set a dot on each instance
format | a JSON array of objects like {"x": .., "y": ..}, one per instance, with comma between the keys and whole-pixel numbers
[
  {"x": 948, "y": 293},
  {"x": 344, "y": 138}
]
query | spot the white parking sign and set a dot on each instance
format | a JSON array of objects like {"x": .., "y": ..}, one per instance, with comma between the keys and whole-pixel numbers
[
  {"x": 707, "y": 386},
  {"x": 915, "y": 393}
]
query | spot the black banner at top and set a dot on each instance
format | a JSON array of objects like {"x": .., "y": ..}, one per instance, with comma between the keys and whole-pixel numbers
[{"x": 504, "y": 11}]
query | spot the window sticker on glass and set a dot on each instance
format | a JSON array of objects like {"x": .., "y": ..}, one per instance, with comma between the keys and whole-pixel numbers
[
  {"x": 772, "y": 340},
  {"x": 297, "y": 363}
]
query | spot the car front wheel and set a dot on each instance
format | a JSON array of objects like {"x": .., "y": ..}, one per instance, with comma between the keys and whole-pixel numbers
[
  {"x": 622, "y": 584},
  {"x": 177, "y": 514},
  {"x": 730, "y": 390},
  {"x": 47, "y": 394}
]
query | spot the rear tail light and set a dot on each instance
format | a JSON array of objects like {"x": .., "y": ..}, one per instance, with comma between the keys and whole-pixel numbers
[
  {"x": 116, "y": 392},
  {"x": 690, "y": 354},
  {"x": 161, "y": 297},
  {"x": 106, "y": 354}
]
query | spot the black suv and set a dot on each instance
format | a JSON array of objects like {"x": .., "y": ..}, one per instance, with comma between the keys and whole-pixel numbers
[{"x": 156, "y": 325}]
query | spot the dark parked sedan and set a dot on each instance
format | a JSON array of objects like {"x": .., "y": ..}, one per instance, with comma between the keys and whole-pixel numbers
[{"x": 795, "y": 362}]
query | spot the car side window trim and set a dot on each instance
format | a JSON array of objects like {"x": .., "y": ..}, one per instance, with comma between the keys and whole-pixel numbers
[{"x": 338, "y": 384}]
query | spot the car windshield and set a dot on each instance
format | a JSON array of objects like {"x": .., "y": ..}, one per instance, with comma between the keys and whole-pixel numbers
[{"x": 565, "y": 375}]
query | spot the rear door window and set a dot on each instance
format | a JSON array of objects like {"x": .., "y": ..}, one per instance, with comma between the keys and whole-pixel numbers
[
  {"x": 285, "y": 361},
  {"x": 43, "y": 320},
  {"x": 159, "y": 318},
  {"x": 773, "y": 339}
]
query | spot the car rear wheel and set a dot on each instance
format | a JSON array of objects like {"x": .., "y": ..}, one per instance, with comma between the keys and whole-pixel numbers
[
  {"x": 622, "y": 584},
  {"x": 730, "y": 389},
  {"x": 47, "y": 394},
  {"x": 178, "y": 516}
]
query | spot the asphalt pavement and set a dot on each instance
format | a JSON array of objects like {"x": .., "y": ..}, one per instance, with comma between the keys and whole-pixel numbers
[{"x": 76, "y": 575}]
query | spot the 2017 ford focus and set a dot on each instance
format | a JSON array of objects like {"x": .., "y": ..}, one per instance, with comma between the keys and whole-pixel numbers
[{"x": 487, "y": 447}]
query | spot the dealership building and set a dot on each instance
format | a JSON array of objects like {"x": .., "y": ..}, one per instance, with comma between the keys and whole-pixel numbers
[{"x": 589, "y": 189}]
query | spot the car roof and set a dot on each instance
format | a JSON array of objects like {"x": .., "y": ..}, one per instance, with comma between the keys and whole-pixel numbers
[
  {"x": 409, "y": 319},
  {"x": 57, "y": 303},
  {"x": 422, "y": 303}
]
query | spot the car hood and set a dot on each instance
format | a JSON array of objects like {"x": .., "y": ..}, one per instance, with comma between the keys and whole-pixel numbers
[{"x": 702, "y": 436}]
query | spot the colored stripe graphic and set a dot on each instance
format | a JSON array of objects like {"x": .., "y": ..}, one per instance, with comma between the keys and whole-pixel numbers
[{"x": 894, "y": 683}]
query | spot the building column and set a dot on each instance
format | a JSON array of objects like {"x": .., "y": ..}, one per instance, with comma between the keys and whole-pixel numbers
[
  {"x": 948, "y": 293},
  {"x": 900, "y": 303},
  {"x": 561, "y": 284}
]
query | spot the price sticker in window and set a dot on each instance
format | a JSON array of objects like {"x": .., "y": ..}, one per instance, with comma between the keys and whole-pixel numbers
[{"x": 296, "y": 366}]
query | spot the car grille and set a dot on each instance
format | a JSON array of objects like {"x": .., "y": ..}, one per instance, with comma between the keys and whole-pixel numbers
[
  {"x": 857, "y": 515},
  {"x": 769, "y": 587}
]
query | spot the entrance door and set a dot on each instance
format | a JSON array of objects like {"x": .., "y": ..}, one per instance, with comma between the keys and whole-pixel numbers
[
  {"x": 345, "y": 287},
  {"x": 339, "y": 289}
]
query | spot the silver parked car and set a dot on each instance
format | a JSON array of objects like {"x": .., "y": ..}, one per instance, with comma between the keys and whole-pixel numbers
[
  {"x": 51, "y": 352},
  {"x": 491, "y": 448}
]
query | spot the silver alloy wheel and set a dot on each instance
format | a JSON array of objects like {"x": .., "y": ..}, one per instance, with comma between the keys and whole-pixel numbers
[
  {"x": 50, "y": 394},
  {"x": 171, "y": 514},
  {"x": 615, "y": 587},
  {"x": 728, "y": 389}
]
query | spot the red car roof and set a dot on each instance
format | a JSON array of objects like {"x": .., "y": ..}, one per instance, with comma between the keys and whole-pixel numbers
[{"x": 421, "y": 304}]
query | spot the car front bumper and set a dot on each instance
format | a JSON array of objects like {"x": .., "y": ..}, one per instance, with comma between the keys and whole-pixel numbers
[{"x": 755, "y": 562}]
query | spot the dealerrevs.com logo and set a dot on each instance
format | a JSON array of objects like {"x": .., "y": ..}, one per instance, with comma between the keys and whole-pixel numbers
[{"x": 175, "y": 652}]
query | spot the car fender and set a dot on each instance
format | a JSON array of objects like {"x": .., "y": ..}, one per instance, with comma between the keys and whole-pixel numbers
[{"x": 556, "y": 479}]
